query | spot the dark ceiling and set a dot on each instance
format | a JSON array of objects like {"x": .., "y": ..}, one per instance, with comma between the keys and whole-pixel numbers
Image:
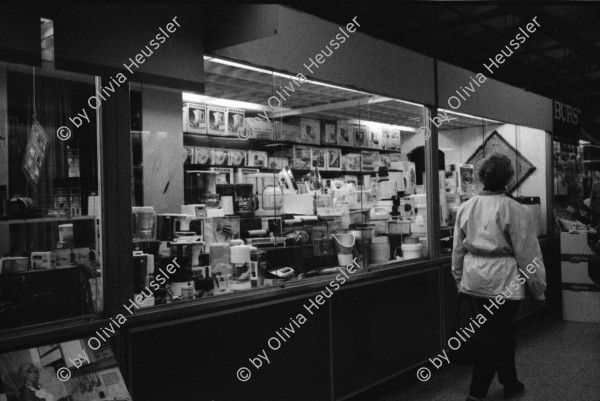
[{"x": 560, "y": 60}]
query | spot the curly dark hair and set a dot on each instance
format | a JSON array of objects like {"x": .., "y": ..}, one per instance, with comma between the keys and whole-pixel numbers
[{"x": 495, "y": 171}]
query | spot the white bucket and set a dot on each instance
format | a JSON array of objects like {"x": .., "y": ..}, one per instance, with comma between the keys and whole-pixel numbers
[
  {"x": 380, "y": 249},
  {"x": 411, "y": 251},
  {"x": 344, "y": 244}
]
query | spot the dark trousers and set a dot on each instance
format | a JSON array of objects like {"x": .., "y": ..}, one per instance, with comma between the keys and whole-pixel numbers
[{"x": 498, "y": 341}]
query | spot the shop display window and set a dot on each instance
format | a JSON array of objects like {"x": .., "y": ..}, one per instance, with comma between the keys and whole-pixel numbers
[
  {"x": 270, "y": 179},
  {"x": 50, "y": 242},
  {"x": 463, "y": 141}
]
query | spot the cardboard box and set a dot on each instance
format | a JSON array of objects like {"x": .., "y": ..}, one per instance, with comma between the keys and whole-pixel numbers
[
  {"x": 237, "y": 158},
  {"x": 310, "y": 131},
  {"x": 581, "y": 303},
  {"x": 395, "y": 140},
  {"x": 328, "y": 135},
  {"x": 235, "y": 122},
  {"x": 368, "y": 161},
  {"x": 375, "y": 138},
  {"x": 302, "y": 157},
  {"x": 464, "y": 178},
  {"x": 317, "y": 158},
  {"x": 256, "y": 159},
  {"x": 333, "y": 158},
  {"x": 278, "y": 162},
  {"x": 203, "y": 156},
  {"x": 287, "y": 132},
  {"x": 360, "y": 133},
  {"x": 344, "y": 134},
  {"x": 43, "y": 260},
  {"x": 351, "y": 162},
  {"x": 217, "y": 121},
  {"x": 194, "y": 118},
  {"x": 190, "y": 155},
  {"x": 220, "y": 157},
  {"x": 260, "y": 129}
]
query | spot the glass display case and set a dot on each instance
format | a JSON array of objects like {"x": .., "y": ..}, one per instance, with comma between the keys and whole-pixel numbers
[
  {"x": 269, "y": 179},
  {"x": 465, "y": 140},
  {"x": 50, "y": 242}
]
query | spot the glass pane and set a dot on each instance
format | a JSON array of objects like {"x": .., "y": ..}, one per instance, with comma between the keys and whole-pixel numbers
[
  {"x": 50, "y": 239},
  {"x": 269, "y": 180},
  {"x": 465, "y": 140}
]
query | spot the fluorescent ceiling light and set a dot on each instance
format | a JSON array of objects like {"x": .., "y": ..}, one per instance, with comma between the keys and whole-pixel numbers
[
  {"x": 234, "y": 104},
  {"x": 470, "y": 116},
  {"x": 288, "y": 76}
]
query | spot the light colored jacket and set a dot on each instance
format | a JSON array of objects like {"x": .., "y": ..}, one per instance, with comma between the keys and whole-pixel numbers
[{"x": 496, "y": 250}]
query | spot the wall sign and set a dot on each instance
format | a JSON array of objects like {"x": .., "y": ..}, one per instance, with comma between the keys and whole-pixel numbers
[{"x": 566, "y": 120}]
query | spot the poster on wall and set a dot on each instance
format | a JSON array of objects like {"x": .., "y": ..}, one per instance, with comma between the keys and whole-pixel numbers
[
  {"x": 496, "y": 144},
  {"x": 35, "y": 153},
  {"x": 67, "y": 371}
]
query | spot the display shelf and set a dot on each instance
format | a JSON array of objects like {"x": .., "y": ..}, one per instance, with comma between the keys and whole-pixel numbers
[
  {"x": 205, "y": 140},
  {"x": 205, "y": 167},
  {"x": 7, "y": 221}
]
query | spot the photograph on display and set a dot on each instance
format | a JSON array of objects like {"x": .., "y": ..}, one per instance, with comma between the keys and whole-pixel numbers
[
  {"x": 68, "y": 371},
  {"x": 496, "y": 144},
  {"x": 35, "y": 153}
]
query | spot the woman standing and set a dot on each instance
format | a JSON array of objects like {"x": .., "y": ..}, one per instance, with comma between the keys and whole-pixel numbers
[{"x": 494, "y": 236}]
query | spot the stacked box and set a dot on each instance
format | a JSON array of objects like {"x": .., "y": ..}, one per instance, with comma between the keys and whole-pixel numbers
[
  {"x": 203, "y": 156},
  {"x": 287, "y": 132},
  {"x": 310, "y": 131},
  {"x": 256, "y": 159},
  {"x": 317, "y": 158},
  {"x": 237, "y": 158},
  {"x": 344, "y": 136},
  {"x": 360, "y": 133},
  {"x": 235, "y": 121},
  {"x": 302, "y": 157},
  {"x": 220, "y": 157},
  {"x": 328, "y": 135},
  {"x": 581, "y": 297},
  {"x": 217, "y": 120},
  {"x": 260, "y": 129},
  {"x": 333, "y": 158},
  {"x": 194, "y": 118}
]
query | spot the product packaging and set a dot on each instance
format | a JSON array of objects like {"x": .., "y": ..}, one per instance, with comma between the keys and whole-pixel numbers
[
  {"x": 222, "y": 229},
  {"x": 260, "y": 129},
  {"x": 278, "y": 163},
  {"x": 220, "y": 157},
  {"x": 328, "y": 135},
  {"x": 375, "y": 139},
  {"x": 256, "y": 159},
  {"x": 395, "y": 140},
  {"x": 464, "y": 178},
  {"x": 194, "y": 118},
  {"x": 369, "y": 161},
  {"x": 333, "y": 158},
  {"x": 351, "y": 162},
  {"x": 345, "y": 136},
  {"x": 190, "y": 155},
  {"x": 203, "y": 156},
  {"x": 302, "y": 158},
  {"x": 43, "y": 260},
  {"x": 237, "y": 158},
  {"x": 310, "y": 131},
  {"x": 235, "y": 122},
  {"x": 317, "y": 158},
  {"x": 360, "y": 133},
  {"x": 217, "y": 120},
  {"x": 287, "y": 132}
]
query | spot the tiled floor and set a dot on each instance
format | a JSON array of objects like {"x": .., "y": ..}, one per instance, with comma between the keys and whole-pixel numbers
[{"x": 557, "y": 361}]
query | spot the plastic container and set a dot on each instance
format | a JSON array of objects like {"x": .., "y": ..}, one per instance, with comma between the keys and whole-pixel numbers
[
  {"x": 411, "y": 251},
  {"x": 344, "y": 245},
  {"x": 380, "y": 249}
]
